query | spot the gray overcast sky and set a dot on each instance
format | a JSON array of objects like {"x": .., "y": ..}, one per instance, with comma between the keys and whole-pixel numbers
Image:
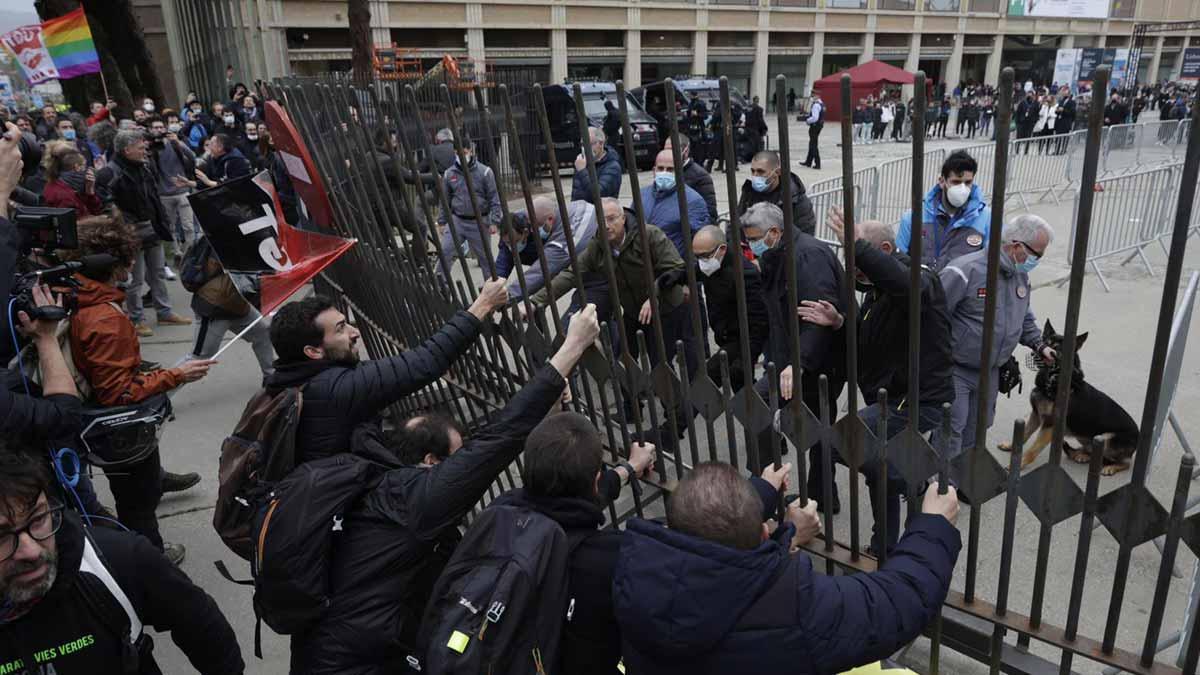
[{"x": 17, "y": 5}]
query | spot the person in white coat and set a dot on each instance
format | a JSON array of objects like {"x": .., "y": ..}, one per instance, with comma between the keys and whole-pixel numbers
[{"x": 1045, "y": 124}]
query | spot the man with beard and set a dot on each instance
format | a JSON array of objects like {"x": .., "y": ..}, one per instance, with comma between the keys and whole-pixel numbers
[{"x": 76, "y": 601}]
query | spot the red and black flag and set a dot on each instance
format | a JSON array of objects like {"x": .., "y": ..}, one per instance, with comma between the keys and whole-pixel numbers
[{"x": 268, "y": 259}]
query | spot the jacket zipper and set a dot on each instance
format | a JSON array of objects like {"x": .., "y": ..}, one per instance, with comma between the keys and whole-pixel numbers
[{"x": 262, "y": 533}]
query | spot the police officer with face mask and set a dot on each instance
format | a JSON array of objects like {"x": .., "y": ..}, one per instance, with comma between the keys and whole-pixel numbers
[
  {"x": 955, "y": 218},
  {"x": 764, "y": 185}
]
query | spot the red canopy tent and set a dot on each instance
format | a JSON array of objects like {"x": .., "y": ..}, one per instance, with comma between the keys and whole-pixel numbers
[{"x": 865, "y": 79}]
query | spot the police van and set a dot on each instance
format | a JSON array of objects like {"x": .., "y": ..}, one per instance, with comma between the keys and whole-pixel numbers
[{"x": 560, "y": 107}]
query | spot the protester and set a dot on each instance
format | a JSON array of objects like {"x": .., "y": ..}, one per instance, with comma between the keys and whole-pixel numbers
[
  {"x": 1026, "y": 239},
  {"x": 107, "y": 355},
  {"x": 248, "y": 144},
  {"x": 608, "y": 170},
  {"x": 715, "y": 592},
  {"x": 457, "y": 221},
  {"x": 695, "y": 177},
  {"x": 71, "y": 184},
  {"x": 281, "y": 178},
  {"x": 883, "y": 276},
  {"x": 176, "y": 177},
  {"x": 660, "y": 201},
  {"x": 134, "y": 188},
  {"x": 221, "y": 309},
  {"x": 546, "y": 223},
  {"x": 226, "y": 161},
  {"x": 79, "y": 600},
  {"x": 765, "y": 186},
  {"x": 955, "y": 219},
  {"x": 47, "y": 126},
  {"x": 381, "y": 576}
]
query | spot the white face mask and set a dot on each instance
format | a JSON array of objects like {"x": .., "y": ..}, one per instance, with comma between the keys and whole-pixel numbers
[
  {"x": 148, "y": 107},
  {"x": 709, "y": 266},
  {"x": 958, "y": 195}
]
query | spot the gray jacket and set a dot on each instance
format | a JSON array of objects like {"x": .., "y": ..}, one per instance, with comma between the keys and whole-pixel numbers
[
  {"x": 483, "y": 180},
  {"x": 583, "y": 228},
  {"x": 965, "y": 281}
]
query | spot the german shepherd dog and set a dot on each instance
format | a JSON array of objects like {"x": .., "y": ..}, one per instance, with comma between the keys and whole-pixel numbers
[{"x": 1090, "y": 413}]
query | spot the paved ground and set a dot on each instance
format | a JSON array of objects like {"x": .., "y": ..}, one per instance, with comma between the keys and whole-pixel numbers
[{"x": 1116, "y": 359}]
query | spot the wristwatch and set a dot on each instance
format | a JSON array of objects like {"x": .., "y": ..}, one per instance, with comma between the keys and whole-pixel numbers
[{"x": 629, "y": 469}]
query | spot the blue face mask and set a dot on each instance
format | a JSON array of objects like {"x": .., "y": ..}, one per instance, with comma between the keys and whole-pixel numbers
[
  {"x": 544, "y": 234},
  {"x": 760, "y": 183},
  {"x": 759, "y": 247},
  {"x": 523, "y": 245},
  {"x": 664, "y": 181},
  {"x": 1031, "y": 261},
  {"x": 69, "y": 134}
]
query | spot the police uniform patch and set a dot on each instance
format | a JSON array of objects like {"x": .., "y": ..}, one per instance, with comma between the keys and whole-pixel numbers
[
  {"x": 975, "y": 239},
  {"x": 1022, "y": 291},
  {"x": 981, "y": 292}
]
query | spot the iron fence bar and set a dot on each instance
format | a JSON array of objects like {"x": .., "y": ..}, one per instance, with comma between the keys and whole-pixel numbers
[
  {"x": 1141, "y": 462},
  {"x": 1170, "y": 548},
  {"x": 826, "y": 466},
  {"x": 606, "y": 341},
  {"x": 881, "y": 441},
  {"x": 917, "y": 239},
  {"x": 1012, "y": 498},
  {"x": 727, "y": 391},
  {"x": 1083, "y": 549}
]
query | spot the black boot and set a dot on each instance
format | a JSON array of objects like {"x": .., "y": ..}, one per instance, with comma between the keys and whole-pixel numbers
[{"x": 178, "y": 482}]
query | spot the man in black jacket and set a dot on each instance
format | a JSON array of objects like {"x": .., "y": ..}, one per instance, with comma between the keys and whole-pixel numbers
[
  {"x": 764, "y": 185},
  {"x": 1026, "y": 118},
  {"x": 695, "y": 177},
  {"x": 400, "y": 536},
  {"x": 226, "y": 163},
  {"x": 822, "y": 351},
  {"x": 883, "y": 275},
  {"x": 133, "y": 182},
  {"x": 756, "y": 125},
  {"x": 75, "y": 603},
  {"x": 718, "y": 268}
]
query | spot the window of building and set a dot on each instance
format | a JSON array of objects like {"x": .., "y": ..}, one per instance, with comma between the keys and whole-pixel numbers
[
  {"x": 595, "y": 38},
  {"x": 1117, "y": 41},
  {"x": 985, "y": 6},
  {"x": 972, "y": 40},
  {"x": 667, "y": 39},
  {"x": 892, "y": 40},
  {"x": 846, "y": 4},
  {"x": 424, "y": 38},
  {"x": 327, "y": 38},
  {"x": 937, "y": 41},
  {"x": 941, "y": 5},
  {"x": 843, "y": 39},
  {"x": 901, "y": 5},
  {"x": 1176, "y": 41},
  {"x": 793, "y": 3},
  {"x": 730, "y": 38},
  {"x": 790, "y": 39},
  {"x": 510, "y": 38},
  {"x": 1123, "y": 9}
]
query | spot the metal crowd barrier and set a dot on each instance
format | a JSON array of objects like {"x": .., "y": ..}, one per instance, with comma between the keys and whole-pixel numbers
[{"x": 399, "y": 294}]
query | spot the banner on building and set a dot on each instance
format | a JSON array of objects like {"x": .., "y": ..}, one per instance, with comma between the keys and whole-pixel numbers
[
  {"x": 1064, "y": 66},
  {"x": 1074, "y": 9},
  {"x": 1090, "y": 59},
  {"x": 25, "y": 43},
  {"x": 1120, "y": 67},
  {"x": 267, "y": 259},
  {"x": 1191, "y": 64}
]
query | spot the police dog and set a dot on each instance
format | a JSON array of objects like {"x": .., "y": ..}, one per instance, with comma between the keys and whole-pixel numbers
[{"x": 1090, "y": 413}]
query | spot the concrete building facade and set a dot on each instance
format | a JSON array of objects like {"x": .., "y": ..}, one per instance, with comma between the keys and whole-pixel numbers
[{"x": 749, "y": 41}]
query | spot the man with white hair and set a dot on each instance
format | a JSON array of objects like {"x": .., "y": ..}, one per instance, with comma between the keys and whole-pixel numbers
[
  {"x": 545, "y": 224},
  {"x": 1024, "y": 243},
  {"x": 608, "y": 170}
]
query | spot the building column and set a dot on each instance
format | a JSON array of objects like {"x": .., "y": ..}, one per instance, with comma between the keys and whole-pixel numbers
[
  {"x": 700, "y": 49},
  {"x": 868, "y": 52},
  {"x": 954, "y": 65},
  {"x": 1155, "y": 60},
  {"x": 992, "y": 76},
  {"x": 816, "y": 62},
  {"x": 912, "y": 62},
  {"x": 1068, "y": 42},
  {"x": 558, "y": 43},
  {"x": 760, "y": 75},
  {"x": 475, "y": 47},
  {"x": 1102, "y": 39},
  {"x": 633, "y": 49},
  {"x": 1177, "y": 71},
  {"x": 381, "y": 32},
  {"x": 274, "y": 38}
]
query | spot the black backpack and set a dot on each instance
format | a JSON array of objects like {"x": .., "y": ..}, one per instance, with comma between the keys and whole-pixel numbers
[
  {"x": 193, "y": 268},
  {"x": 500, "y": 604}
]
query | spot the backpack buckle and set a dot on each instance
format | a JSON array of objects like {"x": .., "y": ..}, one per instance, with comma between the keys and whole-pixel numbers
[{"x": 495, "y": 611}]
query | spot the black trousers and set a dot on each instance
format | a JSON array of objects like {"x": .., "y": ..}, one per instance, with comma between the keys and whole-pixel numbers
[
  {"x": 137, "y": 490},
  {"x": 810, "y": 392},
  {"x": 814, "y": 153}
]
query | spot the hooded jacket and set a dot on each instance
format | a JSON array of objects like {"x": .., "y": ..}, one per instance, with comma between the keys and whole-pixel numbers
[
  {"x": 106, "y": 350},
  {"x": 65, "y": 631},
  {"x": 337, "y": 398},
  {"x": 662, "y": 211},
  {"x": 802, "y": 209},
  {"x": 233, "y": 164},
  {"x": 945, "y": 236},
  {"x": 690, "y": 606},
  {"x": 608, "y": 172},
  {"x": 396, "y": 542}
]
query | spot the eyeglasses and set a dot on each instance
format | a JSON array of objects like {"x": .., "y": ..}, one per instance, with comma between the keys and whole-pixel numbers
[
  {"x": 708, "y": 255},
  {"x": 1030, "y": 249},
  {"x": 40, "y": 527}
]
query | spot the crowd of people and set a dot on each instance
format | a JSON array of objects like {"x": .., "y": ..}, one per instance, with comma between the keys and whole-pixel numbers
[{"x": 720, "y": 584}]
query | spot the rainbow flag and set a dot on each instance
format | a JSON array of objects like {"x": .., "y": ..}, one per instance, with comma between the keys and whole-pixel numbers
[{"x": 69, "y": 41}]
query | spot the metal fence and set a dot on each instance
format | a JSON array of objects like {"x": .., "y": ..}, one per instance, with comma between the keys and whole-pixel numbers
[{"x": 399, "y": 295}]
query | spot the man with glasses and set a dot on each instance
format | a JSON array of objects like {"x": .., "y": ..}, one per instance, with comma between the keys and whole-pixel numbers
[
  {"x": 76, "y": 601},
  {"x": 964, "y": 279},
  {"x": 718, "y": 270}
]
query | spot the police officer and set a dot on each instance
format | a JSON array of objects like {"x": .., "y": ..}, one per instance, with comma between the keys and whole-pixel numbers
[
  {"x": 697, "y": 114},
  {"x": 461, "y": 217},
  {"x": 1026, "y": 239},
  {"x": 955, "y": 218}
]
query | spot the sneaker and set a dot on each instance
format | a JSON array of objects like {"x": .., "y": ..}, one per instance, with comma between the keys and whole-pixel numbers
[
  {"x": 178, "y": 482},
  {"x": 173, "y": 319},
  {"x": 175, "y": 553},
  {"x": 168, "y": 273},
  {"x": 143, "y": 330}
]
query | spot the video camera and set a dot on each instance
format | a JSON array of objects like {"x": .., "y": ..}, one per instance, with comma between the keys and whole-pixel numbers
[{"x": 47, "y": 230}]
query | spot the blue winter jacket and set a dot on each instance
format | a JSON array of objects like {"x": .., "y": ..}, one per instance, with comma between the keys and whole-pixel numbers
[
  {"x": 662, "y": 210},
  {"x": 608, "y": 171},
  {"x": 689, "y": 606},
  {"x": 945, "y": 237}
]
